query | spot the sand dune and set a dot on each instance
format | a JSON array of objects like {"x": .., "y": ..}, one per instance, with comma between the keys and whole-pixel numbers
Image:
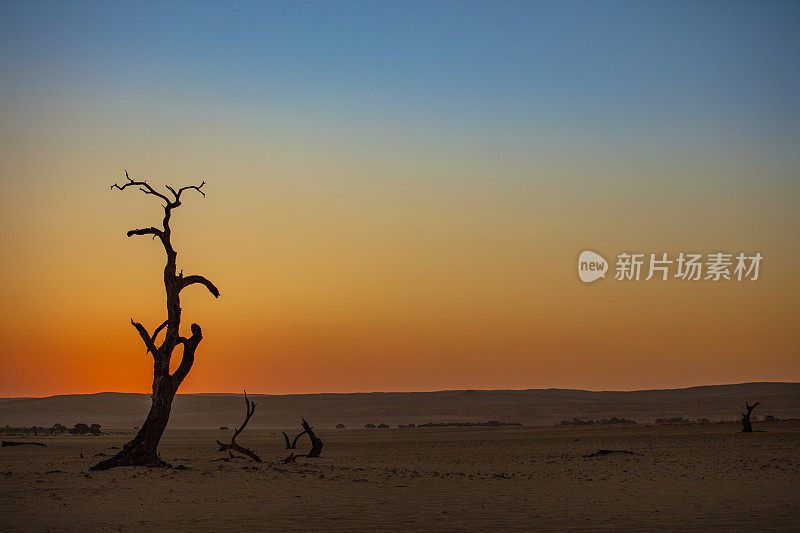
[{"x": 528, "y": 407}]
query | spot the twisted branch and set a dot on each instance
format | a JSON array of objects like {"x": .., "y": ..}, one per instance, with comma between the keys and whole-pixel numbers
[
  {"x": 293, "y": 444},
  {"x": 250, "y": 408},
  {"x": 143, "y": 186},
  {"x": 191, "y": 280}
]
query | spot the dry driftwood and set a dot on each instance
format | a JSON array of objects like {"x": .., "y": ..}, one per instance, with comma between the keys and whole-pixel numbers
[
  {"x": 293, "y": 444},
  {"x": 607, "y": 452},
  {"x": 16, "y": 443},
  {"x": 250, "y": 408},
  {"x": 316, "y": 444}
]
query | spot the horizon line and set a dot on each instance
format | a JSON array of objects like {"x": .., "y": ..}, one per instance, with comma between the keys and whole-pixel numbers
[{"x": 416, "y": 391}]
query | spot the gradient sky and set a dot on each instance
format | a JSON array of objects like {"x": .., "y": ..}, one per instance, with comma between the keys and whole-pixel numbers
[{"x": 397, "y": 192}]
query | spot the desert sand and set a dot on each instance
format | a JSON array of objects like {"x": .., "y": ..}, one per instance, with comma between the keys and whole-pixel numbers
[{"x": 688, "y": 477}]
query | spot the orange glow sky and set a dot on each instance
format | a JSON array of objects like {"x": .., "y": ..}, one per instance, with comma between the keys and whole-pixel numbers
[{"x": 371, "y": 238}]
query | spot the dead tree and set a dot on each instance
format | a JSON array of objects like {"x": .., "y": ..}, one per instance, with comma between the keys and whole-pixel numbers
[
  {"x": 316, "y": 443},
  {"x": 249, "y": 408},
  {"x": 746, "y": 426},
  {"x": 142, "y": 450}
]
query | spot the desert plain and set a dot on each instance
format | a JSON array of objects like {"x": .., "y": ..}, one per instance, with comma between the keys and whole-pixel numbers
[{"x": 681, "y": 476}]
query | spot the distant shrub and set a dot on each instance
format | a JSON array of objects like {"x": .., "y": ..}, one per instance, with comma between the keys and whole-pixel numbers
[
  {"x": 673, "y": 420},
  {"x": 224, "y": 428},
  {"x": 614, "y": 420},
  {"x": 383, "y": 426},
  {"x": 490, "y": 423},
  {"x": 370, "y": 426},
  {"x": 83, "y": 429},
  {"x": 339, "y": 426}
]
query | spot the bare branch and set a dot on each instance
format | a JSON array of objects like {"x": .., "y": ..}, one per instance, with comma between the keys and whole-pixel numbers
[
  {"x": 146, "y": 231},
  {"x": 250, "y": 408},
  {"x": 316, "y": 443},
  {"x": 158, "y": 330},
  {"x": 189, "y": 347},
  {"x": 190, "y": 280},
  {"x": 195, "y": 187},
  {"x": 293, "y": 444},
  {"x": 151, "y": 347},
  {"x": 143, "y": 186},
  {"x": 175, "y": 194}
]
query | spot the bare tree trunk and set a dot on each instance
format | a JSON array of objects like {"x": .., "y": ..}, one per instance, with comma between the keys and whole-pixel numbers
[
  {"x": 142, "y": 450},
  {"x": 746, "y": 426}
]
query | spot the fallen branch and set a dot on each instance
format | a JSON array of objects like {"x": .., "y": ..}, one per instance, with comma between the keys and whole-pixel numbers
[
  {"x": 250, "y": 408},
  {"x": 608, "y": 452},
  {"x": 316, "y": 444},
  {"x": 293, "y": 444}
]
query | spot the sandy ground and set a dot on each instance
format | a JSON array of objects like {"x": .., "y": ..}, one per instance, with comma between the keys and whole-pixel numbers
[{"x": 691, "y": 477}]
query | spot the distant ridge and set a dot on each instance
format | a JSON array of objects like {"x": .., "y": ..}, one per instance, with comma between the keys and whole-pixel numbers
[{"x": 529, "y": 407}]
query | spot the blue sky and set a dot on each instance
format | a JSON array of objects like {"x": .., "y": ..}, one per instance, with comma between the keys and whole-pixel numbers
[{"x": 721, "y": 68}]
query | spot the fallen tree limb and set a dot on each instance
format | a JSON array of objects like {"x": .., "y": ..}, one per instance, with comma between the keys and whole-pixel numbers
[
  {"x": 608, "y": 452},
  {"x": 293, "y": 444},
  {"x": 250, "y": 408},
  {"x": 16, "y": 443},
  {"x": 316, "y": 444}
]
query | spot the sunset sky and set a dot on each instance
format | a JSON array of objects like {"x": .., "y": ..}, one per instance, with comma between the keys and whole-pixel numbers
[{"x": 397, "y": 192}]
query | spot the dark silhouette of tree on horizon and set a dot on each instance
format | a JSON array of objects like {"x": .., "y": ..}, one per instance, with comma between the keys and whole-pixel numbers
[
  {"x": 142, "y": 450},
  {"x": 746, "y": 426}
]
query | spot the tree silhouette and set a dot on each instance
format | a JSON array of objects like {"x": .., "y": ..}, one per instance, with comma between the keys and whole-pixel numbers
[
  {"x": 142, "y": 450},
  {"x": 746, "y": 426}
]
